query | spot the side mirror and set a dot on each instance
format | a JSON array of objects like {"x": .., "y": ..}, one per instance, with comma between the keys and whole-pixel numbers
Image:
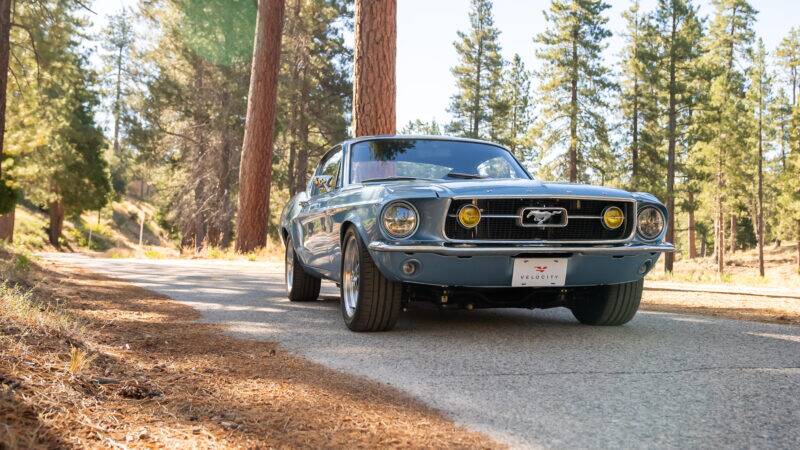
[{"x": 323, "y": 183}]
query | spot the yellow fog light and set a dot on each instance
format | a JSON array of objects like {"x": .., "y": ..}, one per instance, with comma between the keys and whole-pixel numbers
[
  {"x": 613, "y": 217},
  {"x": 469, "y": 216}
]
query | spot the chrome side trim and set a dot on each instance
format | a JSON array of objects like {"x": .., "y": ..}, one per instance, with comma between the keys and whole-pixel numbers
[
  {"x": 526, "y": 242},
  {"x": 440, "y": 249}
]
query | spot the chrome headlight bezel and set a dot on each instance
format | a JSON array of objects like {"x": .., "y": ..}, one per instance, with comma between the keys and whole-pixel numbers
[
  {"x": 663, "y": 223},
  {"x": 401, "y": 204}
]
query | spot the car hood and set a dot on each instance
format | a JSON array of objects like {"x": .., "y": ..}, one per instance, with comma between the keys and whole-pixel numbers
[{"x": 501, "y": 188}]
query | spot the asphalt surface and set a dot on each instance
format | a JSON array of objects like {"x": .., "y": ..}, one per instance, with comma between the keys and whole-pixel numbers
[{"x": 528, "y": 378}]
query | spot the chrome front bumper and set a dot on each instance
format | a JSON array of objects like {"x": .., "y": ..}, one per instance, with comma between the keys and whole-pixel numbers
[{"x": 474, "y": 250}]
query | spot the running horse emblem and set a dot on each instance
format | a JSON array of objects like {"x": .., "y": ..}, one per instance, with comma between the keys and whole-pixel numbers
[{"x": 540, "y": 217}]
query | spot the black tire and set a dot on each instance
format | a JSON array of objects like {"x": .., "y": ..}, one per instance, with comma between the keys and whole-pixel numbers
[
  {"x": 301, "y": 287},
  {"x": 611, "y": 306},
  {"x": 379, "y": 301}
]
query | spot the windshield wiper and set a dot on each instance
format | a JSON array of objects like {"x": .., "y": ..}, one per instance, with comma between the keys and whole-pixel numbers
[
  {"x": 370, "y": 180},
  {"x": 466, "y": 176}
]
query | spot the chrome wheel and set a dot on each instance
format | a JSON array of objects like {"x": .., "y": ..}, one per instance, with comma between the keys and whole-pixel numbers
[
  {"x": 289, "y": 266},
  {"x": 351, "y": 271}
]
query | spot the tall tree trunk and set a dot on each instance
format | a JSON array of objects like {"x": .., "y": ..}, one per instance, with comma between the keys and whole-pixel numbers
[
  {"x": 719, "y": 242},
  {"x": 635, "y": 136},
  {"x": 6, "y": 220},
  {"x": 669, "y": 258},
  {"x": 573, "y": 112},
  {"x": 374, "y": 85},
  {"x": 7, "y": 226},
  {"x": 734, "y": 227},
  {"x": 760, "y": 211},
  {"x": 255, "y": 170},
  {"x": 56, "y": 212},
  {"x": 691, "y": 227},
  {"x": 294, "y": 74},
  {"x": 703, "y": 246},
  {"x": 225, "y": 183},
  {"x": 303, "y": 128},
  {"x": 476, "y": 102},
  {"x": 117, "y": 100}
]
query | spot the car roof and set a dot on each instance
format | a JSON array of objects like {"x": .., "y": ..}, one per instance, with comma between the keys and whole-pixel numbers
[{"x": 419, "y": 136}]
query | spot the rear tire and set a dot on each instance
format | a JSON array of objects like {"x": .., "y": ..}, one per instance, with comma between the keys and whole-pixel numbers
[
  {"x": 611, "y": 306},
  {"x": 300, "y": 285},
  {"x": 369, "y": 302}
]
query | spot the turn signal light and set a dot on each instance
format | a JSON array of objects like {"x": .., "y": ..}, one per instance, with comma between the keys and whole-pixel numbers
[
  {"x": 613, "y": 217},
  {"x": 469, "y": 216}
]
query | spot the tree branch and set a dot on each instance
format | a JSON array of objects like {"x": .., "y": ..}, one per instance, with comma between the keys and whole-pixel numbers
[{"x": 33, "y": 46}]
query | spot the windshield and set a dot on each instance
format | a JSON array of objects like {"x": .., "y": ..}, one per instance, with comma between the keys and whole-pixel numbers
[{"x": 429, "y": 158}]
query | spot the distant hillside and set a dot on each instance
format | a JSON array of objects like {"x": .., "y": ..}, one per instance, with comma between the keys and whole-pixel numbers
[{"x": 115, "y": 231}]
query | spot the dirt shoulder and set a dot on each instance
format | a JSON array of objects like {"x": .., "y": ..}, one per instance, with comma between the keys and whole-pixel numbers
[
  {"x": 86, "y": 361},
  {"x": 732, "y": 306}
]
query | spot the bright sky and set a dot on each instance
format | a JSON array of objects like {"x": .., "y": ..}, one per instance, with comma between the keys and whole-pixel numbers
[{"x": 427, "y": 29}]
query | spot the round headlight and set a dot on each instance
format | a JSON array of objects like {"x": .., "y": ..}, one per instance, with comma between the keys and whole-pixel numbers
[
  {"x": 613, "y": 217},
  {"x": 650, "y": 222},
  {"x": 399, "y": 220},
  {"x": 469, "y": 216}
]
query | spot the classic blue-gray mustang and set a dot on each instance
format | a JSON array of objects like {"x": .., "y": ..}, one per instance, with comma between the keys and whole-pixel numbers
[{"x": 460, "y": 223}]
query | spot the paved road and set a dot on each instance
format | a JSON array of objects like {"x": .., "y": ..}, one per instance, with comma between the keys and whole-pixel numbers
[{"x": 529, "y": 378}]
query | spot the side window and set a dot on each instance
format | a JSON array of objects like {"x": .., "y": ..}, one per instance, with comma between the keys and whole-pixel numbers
[{"x": 327, "y": 176}]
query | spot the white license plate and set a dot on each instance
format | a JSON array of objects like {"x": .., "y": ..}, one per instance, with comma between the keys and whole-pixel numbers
[{"x": 539, "y": 272}]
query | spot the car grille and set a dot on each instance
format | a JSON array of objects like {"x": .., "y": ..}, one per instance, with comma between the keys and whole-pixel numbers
[{"x": 584, "y": 220}]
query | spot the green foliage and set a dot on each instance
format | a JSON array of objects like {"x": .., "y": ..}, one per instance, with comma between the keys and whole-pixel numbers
[
  {"x": 479, "y": 73},
  {"x": 420, "y": 126},
  {"x": 512, "y": 126},
  {"x": 219, "y": 32},
  {"x": 573, "y": 94},
  {"x": 54, "y": 143},
  {"x": 8, "y": 197}
]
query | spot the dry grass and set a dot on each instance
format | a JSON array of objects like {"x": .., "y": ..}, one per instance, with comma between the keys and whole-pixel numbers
[
  {"x": 90, "y": 362},
  {"x": 733, "y": 306},
  {"x": 741, "y": 269}
]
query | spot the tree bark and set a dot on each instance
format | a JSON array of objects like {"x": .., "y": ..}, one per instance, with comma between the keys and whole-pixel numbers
[
  {"x": 56, "y": 212},
  {"x": 374, "y": 84},
  {"x": 6, "y": 220},
  {"x": 255, "y": 172},
  {"x": 703, "y": 247},
  {"x": 117, "y": 100},
  {"x": 760, "y": 212},
  {"x": 573, "y": 112},
  {"x": 7, "y": 226},
  {"x": 691, "y": 228},
  {"x": 669, "y": 258},
  {"x": 733, "y": 233}
]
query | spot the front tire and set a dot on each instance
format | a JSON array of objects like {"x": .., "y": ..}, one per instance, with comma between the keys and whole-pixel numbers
[
  {"x": 611, "y": 305},
  {"x": 369, "y": 302},
  {"x": 300, "y": 285}
]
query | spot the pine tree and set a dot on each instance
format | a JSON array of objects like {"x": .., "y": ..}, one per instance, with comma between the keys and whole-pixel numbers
[
  {"x": 759, "y": 97},
  {"x": 117, "y": 40},
  {"x": 573, "y": 82},
  {"x": 724, "y": 112},
  {"x": 633, "y": 65},
  {"x": 516, "y": 121},
  {"x": 255, "y": 168},
  {"x": 420, "y": 126},
  {"x": 679, "y": 32},
  {"x": 478, "y": 75},
  {"x": 52, "y": 135},
  {"x": 315, "y": 91},
  {"x": 788, "y": 56},
  {"x": 374, "y": 71}
]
